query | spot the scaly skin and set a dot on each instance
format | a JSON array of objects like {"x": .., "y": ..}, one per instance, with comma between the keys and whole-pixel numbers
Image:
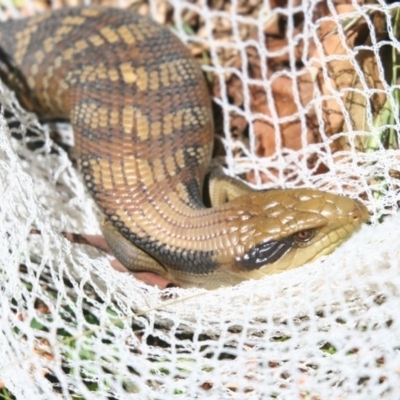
[{"x": 141, "y": 116}]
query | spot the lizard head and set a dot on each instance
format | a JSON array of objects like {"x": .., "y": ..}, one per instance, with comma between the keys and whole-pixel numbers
[{"x": 278, "y": 230}]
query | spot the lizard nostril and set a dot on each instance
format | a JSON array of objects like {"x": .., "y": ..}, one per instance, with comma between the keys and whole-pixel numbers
[{"x": 360, "y": 213}]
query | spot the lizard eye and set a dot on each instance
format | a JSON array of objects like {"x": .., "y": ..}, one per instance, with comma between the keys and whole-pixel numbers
[
  {"x": 304, "y": 236},
  {"x": 272, "y": 251}
]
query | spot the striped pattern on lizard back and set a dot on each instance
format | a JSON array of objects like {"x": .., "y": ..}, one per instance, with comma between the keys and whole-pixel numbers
[{"x": 141, "y": 116}]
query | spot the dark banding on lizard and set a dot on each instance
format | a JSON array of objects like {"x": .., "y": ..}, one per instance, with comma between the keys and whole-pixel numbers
[{"x": 141, "y": 115}]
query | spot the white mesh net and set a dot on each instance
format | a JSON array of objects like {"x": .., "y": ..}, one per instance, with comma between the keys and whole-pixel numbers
[{"x": 72, "y": 327}]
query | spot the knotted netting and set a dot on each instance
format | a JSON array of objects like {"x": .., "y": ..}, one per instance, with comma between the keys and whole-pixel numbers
[{"x": 306, "y": 94}]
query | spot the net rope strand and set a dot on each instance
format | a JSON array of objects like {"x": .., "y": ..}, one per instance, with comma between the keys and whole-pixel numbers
[{"x": 72, "y": 326}]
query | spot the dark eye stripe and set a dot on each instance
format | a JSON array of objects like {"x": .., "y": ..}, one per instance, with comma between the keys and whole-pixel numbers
[{"x": 265, "y": 253}]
